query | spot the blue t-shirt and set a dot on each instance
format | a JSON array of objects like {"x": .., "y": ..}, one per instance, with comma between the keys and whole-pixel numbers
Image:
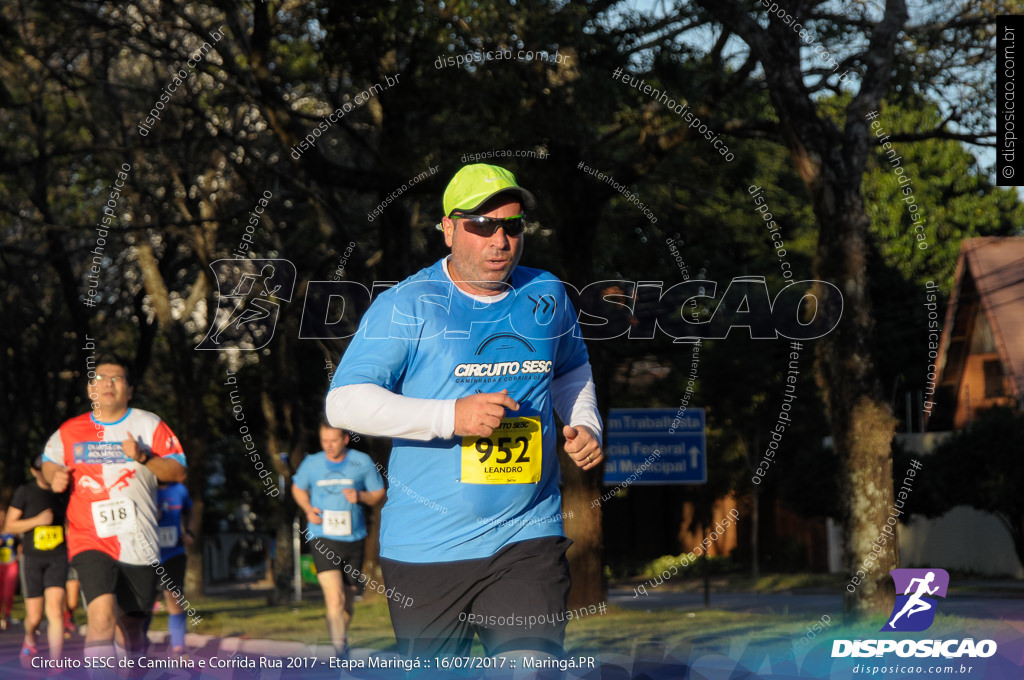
[
  {"x": 466, "y": 498},
  {"x": 324, "y": 480},
  {"x": 8, "y": 548},
  {"x": 171, "y": 501}
]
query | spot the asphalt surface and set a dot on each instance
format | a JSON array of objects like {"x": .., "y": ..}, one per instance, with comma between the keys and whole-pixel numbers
[{"x": 239, "y": 658}]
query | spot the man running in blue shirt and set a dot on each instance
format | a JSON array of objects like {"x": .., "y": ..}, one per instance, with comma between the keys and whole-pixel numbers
[
  {"x": 464, "y": 364},
  {"x": 331, "y": 487},
  {"x": 174, "y": 529}
]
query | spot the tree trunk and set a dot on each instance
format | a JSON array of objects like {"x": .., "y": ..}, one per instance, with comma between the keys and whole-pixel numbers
[
  {"x": 191, "y": 427},
  {"x": 862, "y": 422},
  {"x": 831, "y": 162},
  {"x": 582, "y": 518},
  {"x": 580, "y": 490},
  {"x": 284, "y": 510},
  {"x": 755, "y": 527}
]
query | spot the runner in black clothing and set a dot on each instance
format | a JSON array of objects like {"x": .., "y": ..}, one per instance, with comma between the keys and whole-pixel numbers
[{"x": 37, "y": 513}]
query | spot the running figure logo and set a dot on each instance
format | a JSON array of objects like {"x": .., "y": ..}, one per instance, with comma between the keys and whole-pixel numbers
[
  {"x": 250, "y": 296},
  {"x": 914, "y": 611}
]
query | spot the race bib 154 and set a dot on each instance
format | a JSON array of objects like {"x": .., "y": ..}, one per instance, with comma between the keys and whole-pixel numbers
[{"x": 337, "y": 522}]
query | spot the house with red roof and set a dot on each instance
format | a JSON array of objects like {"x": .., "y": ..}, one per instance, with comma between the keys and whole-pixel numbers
[
  {"x": 981, "y": 353},
  {"x": 979, "y": 365}
]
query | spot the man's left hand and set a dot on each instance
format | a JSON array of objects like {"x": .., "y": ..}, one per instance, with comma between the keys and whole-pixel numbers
[
  {"x": 583, "y": 446},
  {"x": 351, "y": 495},
  {"x": 132, "y": 449}
]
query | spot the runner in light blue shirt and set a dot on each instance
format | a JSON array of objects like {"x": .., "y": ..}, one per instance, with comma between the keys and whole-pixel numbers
[
  {"x": 331, "y": 486},
  {"x": 464, "y": 365}
]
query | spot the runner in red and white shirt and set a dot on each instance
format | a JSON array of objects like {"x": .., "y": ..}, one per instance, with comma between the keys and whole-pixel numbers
[{"x": 112, "y": 458}]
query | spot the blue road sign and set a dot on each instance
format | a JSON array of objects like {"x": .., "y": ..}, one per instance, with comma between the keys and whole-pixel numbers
[{"x": 655, "y": 446}]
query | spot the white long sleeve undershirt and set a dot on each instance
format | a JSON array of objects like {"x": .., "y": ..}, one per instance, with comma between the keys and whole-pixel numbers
[{"x": 373, "y": 410}]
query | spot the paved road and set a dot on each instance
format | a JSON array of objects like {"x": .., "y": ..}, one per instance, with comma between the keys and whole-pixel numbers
[{"x": 246, "y": 656}]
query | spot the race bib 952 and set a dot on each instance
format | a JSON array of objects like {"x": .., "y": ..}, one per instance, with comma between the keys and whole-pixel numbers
[{"x": 511, "y": 455}]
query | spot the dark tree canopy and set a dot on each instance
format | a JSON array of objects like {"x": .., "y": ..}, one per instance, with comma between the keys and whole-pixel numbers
[{"x": 208, "y": 106}]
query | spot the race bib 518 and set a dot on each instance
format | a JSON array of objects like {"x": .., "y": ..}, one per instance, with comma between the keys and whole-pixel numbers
[
  {"x": 511, "y": 455},
  {"x": 113, "y": 517}
]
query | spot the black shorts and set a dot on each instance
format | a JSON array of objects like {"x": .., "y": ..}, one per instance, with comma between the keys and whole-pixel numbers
[
  {"x": 173, "y": 575},
  {"x": 329, "y": 554},
  {"x": 42, "y": 571},
  {"x": 494, "y": 597},
  {"x": 134, "y": 586}
]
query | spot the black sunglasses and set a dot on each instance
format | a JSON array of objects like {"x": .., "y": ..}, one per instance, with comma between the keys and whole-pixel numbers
[{"x": 486, "y": 226}]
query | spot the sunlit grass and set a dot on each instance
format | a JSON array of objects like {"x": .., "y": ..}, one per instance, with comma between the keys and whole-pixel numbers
[
  {"x": 252, "y": 617},
  {"x": 617, "y": 631}
]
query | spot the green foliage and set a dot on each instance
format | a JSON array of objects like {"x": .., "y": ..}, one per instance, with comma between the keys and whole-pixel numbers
[
  {"x": 955, "y": 200},
  {"x": 954, "y": 197},
  {"x": 75, "y": 80},
  {"x": 695, "y": 566},
  {"x": 989, "y": 451}
]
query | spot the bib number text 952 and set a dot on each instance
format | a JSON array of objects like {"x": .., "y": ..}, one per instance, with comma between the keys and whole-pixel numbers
[
  {"x": 512, "y": 454},
  {"x": 486, "y": 447}
]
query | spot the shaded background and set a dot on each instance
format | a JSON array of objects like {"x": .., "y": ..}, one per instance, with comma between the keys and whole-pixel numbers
[{"x": 78, "y": 80}]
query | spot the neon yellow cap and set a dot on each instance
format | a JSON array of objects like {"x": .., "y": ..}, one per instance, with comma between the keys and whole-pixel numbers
[{"x": 474, "y": 184}]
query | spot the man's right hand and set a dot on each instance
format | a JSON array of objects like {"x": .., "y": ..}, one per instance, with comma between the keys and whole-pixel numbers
[
  {"x": 59, "y": 482},
  {"x": 313, "y": 516},
  {"x": 478, "y": 415},
  {"x": 45, "y": 518}
]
